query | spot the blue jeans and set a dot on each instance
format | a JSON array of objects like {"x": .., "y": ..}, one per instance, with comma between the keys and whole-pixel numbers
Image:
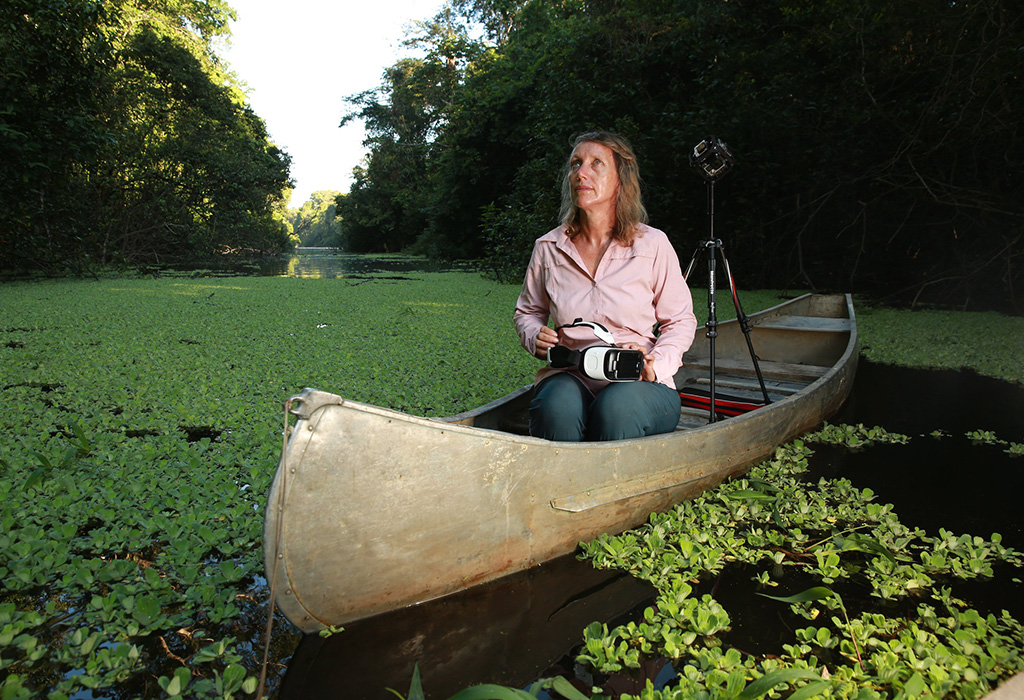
[{"x": 564, "y": 409}]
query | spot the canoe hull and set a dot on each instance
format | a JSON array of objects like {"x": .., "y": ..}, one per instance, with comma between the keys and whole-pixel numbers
[{"x": 373, "y": 509}]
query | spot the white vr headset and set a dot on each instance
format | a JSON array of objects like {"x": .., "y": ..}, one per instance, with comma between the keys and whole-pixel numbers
[{"x": 601, "y": 362}]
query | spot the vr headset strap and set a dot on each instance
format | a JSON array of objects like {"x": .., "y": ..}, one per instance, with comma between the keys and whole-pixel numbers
[
  {"x": 602, "y": 333},
  {"x": 562, "y": 357}
]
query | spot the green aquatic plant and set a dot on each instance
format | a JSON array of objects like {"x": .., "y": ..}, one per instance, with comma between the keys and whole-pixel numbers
[
  {"x": 943, "y": 340},
  {"x": 829, "y": 532},
  {"x": 489, "y": 691},
  {"x": 821, "y": 636},
  {"x": 987, "y": 437},
  {"x": 854, "y": 436},
  {"x": 141, "y": 428},
  {"x": 140, "y": 431},
  {"x": 984, "y": 437}
]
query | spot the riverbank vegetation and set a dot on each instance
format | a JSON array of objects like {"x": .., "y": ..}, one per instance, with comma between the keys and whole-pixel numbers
[
  {"x": 315, "y": 224},
  {"x": 875, "y": 142},
  {"x": 141, "y": 423},
  {"x": 125, "y": 140}
]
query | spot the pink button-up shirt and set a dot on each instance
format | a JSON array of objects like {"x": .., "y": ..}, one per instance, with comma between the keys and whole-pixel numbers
[{"x": 634, "y": 289}]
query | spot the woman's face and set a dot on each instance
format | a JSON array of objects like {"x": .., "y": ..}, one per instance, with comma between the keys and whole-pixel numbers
[{"x": 593, "y": 176}]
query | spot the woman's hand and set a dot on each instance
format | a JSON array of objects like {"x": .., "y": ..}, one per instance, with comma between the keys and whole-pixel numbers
[
  {"x": 546, "y": 338},
  {"x": 647, "y": 373}
]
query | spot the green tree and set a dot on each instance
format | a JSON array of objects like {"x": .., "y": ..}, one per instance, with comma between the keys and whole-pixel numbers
[
  {"x": 51, "y": 135},
  {"x": 128, "y": 141},
  {"x": 876, "y": 143},
  {"x": 387, "y": 208},
  {"x": 498, "y": 17},
  {"x": 315, "y": 223}
]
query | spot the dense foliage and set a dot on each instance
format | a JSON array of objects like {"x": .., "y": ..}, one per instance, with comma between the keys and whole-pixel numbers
[
  {"x": 877, "y": 144},
  {"x": 390, "y": 201},
  {"x": 124, "y": 139},
  {"x": 877, "y": 616},
  {"x": 141, "y": 424},
  {"x": 315, "y": 223}
]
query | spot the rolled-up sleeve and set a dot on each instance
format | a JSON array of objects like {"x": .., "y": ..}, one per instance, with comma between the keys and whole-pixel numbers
[{"x": 673, "y": 307}]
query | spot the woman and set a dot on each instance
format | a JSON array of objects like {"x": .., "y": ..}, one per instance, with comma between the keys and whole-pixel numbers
[{"x": 605, "y": 264}]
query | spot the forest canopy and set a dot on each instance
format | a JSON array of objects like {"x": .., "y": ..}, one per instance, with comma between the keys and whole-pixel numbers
[
  {"x": 314, "y": 224},
  {"x": 124, "y": 139},
  {"x": 877, "y": 142}
]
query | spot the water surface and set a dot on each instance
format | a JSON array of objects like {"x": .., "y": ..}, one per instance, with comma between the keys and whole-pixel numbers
[{"x": 330, "y": 263}]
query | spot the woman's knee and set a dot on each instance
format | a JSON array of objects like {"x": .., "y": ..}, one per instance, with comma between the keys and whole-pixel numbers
[
  {"x": 559, "y": 408},
  {"x": 632, "y": 410}
]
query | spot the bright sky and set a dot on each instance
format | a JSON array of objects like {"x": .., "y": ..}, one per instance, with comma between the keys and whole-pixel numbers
[{"x": 300, "y": 59}]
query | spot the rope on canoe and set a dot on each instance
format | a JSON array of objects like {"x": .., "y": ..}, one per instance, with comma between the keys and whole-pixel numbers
[{"x": 279, "y": 505}]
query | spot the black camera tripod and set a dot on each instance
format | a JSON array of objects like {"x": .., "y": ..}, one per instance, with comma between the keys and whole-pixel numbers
[{"x": 712, "y": 160}]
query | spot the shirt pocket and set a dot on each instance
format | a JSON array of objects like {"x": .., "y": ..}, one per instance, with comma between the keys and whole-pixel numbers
[
  {"x": 568, "y": 290},
  {"x": 631, "y": 272}
]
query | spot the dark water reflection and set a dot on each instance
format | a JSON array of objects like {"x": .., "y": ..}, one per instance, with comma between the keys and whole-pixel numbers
[
  {"x": 329, "y": 263},
  {"x": 524, "y": 627},
  {"x": 946, "y": 481}
]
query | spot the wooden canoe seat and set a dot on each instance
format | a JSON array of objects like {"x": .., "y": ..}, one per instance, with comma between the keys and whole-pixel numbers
[
  {"x": 808, "y": 323},
  {"x": 776, "y": 370}
]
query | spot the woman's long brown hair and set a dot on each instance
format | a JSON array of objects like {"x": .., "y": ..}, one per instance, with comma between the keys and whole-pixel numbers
[{"x": 629, "y": 205}]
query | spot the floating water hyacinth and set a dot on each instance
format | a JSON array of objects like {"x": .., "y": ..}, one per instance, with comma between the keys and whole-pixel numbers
[{"x": 141, "y": 423}]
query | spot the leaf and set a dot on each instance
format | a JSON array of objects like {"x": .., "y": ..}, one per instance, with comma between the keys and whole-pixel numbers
[
  {"x": 233, "y": 677},
  {"x": 816, "y": 593},
  {"x": 915, "y": 686},
  {"x": 37, "y": 476},
  {"x": 810, "y": 690},
  {"x": 491, "y": 692},
  {"x": 860, "y": 543},
  {"x": 566, "y": 689},
  {"x": 416, "y": 686},
  {"x": 748, "y": 494},
  {"x": 90, "y": 643},
  {"x": 763, "y": 485},
  {"x": 44, "y": 462},
  {"x": 765, "y": 683},
  {"x": 777, "y": 518},
  {"x": 176, "y": 684}
]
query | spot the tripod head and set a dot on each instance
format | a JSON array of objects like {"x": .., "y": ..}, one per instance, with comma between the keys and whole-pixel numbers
[{"x": 712, "y": 159}]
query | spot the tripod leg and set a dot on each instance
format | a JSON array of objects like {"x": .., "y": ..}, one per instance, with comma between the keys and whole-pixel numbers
[
  {"x": 712, "y": 325},
  {"x": 744, "y": 322},
  {"x": 693, "y": 262}
]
